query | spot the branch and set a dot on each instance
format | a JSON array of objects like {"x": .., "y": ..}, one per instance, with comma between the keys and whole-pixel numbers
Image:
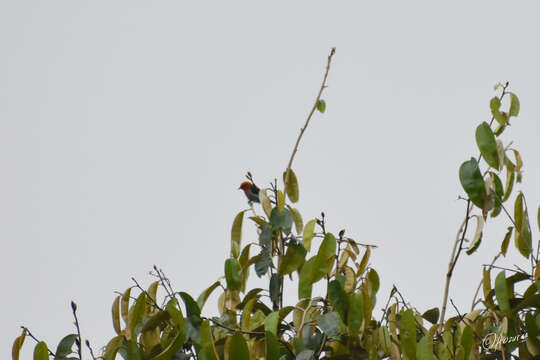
[
  {"x": 36, "y": 340},
  {"x": 79, "y": 339},
  {"x": 453, "y": 260},
  {"x": 317, "y": 99}
]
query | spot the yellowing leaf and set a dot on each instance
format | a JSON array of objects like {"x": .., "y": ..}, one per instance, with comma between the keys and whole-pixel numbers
[
  {"x": 500, "y": 153},
  {"x": 297, "y": 218},
  {"x": 506, "y": 240},
  {"x": 519, "y": 165},
  {"x": 350, "y": 279},
  {"x": 363, "y": 263},
  {"x": 309, "y": 232},
  {"x": 509, "y": 181},
  {"x": 477, "y": 235},
  {"x": 125, "y": 304},
  {"x": 292, "y": 186},
  {"x": 514, "y": 105},
  {"x": 135, "y": 316},
  {"x": 265, "y": 202},
  {"x": 116, "y": 315},
  {"x": 280, "y": 200},
  {"x": 17, "y": 344},
  {"x": 41, "y": 352},
  {"x": 152, "y": 292},
  {"x": 236, "y": 235},
  {"x": 486, "y": 282},
  {"x": 537, "y": 271}
]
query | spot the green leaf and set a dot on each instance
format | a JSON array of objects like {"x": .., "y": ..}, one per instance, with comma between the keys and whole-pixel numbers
[
  {"x": 41, "y": 352},
  {"x": 501, "y": 292},
  {"x": 271, "y": 322},
  {"x": 431, "y": 315},
  {"x": 321, "y": 106},
  {"x": 236, "y": 235},
  {"x": 467, "y": 340},
  {"x": 306, "y": 354},
  {"x": 407, "y": 333},
  {"x": 238, "y": 349},
  {"x": 331, "y": 324},
  {"x": 201, "y": 300},
  {"x": 514, "y": 105},
  {"x": 193, "y": 313},
  {"x": 304, "y": 282},
  {"x": 265, "y": 238},
  {"x": 501, "y": 117},
  {"x": 522, "y": 235},
  {"x": 424, "y": 349},
  {"x": 355, "y": 316},
  {"x": 133, "y": 350},
  {"x": 293, "y": 191},
  {"x": 191, "y": 306},
  {"x": 309, "y": 232},
  {"x": 506, "y": 240},
  {"x": 338, "y": 297},
  {"x": 538, "y": 219},
  {"x": 373, "y": 280},
  {"x": 472, "y": 182},
  {"x": 155, "y": 320},
  {"x": 281, "y": 220},
  {"x": 136, "y": 315},
  {"x": 175, "y": 313},
  {"x": 487, "y": 145},
  {"x": 275, "y": 286},
  {"x": 233, "y": 274},
  {"x": 263, "y": 263},
  {"x": 65, "y": 345},
  {"x": 293, "y": 259},
  {"x": 324, "y": 259},
  {"x": 173, "y": 347},
  {"x": 272, "y": 346},
  {"x": 499, "y": 193},
  {"x": 206, "y": 349}
]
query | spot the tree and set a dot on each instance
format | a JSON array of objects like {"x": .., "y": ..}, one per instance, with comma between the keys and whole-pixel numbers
[{"x": 340, "y": 322}]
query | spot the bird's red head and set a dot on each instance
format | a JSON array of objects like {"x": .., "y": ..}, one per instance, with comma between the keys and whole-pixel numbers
[{"x": 245, "y": 186}]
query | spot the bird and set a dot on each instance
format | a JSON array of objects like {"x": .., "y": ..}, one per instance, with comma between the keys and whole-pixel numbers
[{"x": 251, "y": 190}]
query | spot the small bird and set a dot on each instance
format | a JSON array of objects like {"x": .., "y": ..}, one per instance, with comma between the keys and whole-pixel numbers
[{"x": 251, "y": 190}]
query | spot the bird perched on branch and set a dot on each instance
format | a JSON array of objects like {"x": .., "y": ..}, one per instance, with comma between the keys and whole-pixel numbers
[{"x": 251, "y": 190}]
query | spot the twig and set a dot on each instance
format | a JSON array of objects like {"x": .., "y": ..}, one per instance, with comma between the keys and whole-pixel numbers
[
  {"x": 79, "y": 339},
  {"x": 90, "y": 348},
  {"x": 490, "y": 266},
  {"x": 36, "y": 340},
  {"x": 154, "y": 303},
  {"x": 453, "y": 260},
  {"x": 303, "y": 129},
  {"x": 234, "y": 330}
]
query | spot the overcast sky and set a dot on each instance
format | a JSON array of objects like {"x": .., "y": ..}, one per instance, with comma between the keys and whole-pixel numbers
[{"x": 127, "y": 126}]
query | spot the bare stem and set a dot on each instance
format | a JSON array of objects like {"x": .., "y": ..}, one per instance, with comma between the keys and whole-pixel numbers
[
  {"x": 79, "y": 339},
  {"x": 303, "y": 129},
  {"x": 453, "y": 260},
  {"x": 281, "y": 245}
]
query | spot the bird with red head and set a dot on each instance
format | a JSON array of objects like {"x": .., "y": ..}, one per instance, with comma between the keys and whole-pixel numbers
[{"x": 251, "y": 190}]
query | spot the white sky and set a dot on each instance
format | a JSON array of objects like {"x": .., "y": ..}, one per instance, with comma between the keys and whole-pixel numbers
[{"x": 127, "y": 126}]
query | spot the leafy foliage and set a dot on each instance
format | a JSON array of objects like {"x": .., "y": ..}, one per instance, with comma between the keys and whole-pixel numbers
[{"x": 340, "y": 322}]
